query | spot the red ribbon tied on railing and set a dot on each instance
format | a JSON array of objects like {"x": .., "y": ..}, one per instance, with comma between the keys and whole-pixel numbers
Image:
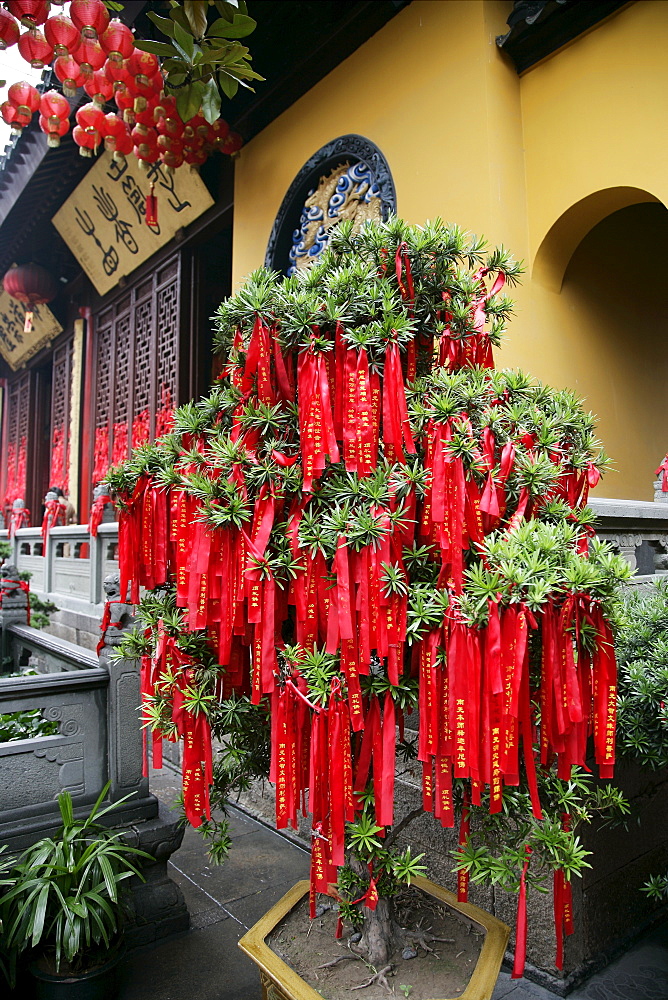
[{"x": 663, "y": 468}]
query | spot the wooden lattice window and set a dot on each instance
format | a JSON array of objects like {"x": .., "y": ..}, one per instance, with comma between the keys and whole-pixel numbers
[
  {"x": 17, "y": 436},
  {"x": 61, "y": 394},
  {"x": 136, "y": 371}
]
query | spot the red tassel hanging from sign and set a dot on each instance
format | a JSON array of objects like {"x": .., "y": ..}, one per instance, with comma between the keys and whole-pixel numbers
[{"x": 152, "y": 209}]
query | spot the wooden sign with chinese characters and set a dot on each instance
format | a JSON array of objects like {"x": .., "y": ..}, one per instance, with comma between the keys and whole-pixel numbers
[
  {"x": 103, "y": 221},
  {"x": 17, "y": 346}
]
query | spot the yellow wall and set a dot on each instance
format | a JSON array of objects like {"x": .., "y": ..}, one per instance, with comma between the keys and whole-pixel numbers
[
  {"x": 469, "y": 140},
  {"x": 432, "y": 71}
]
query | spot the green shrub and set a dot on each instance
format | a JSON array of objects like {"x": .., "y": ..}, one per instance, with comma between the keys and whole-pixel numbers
[
  {"x": 642, "y": 656},
  {"x": 25, "y": 726}
]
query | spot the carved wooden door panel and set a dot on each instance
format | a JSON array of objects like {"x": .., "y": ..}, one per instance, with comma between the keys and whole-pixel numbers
[
  {"x": 17, "y": 436},
  {"x": 136, "y": 366},
  {"x": 61, "y": 395}
]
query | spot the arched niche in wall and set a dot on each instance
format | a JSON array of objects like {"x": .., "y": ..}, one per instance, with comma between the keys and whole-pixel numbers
[
  {"x": 610, "y": 318},
  {"x": 564, "y": 236},
  {"x": 349, "y": 178}
]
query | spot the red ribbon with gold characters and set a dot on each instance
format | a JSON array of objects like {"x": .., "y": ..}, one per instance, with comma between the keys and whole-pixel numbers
[{"x": 336, "y": 409}]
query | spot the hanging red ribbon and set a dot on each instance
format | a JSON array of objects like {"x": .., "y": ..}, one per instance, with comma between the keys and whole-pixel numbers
[{"x": 521, "y": 924}]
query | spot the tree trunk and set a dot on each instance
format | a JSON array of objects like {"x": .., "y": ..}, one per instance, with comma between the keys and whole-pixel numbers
[
  {"x": 379, "y": 931},
  {"x": 378, "y": 934}
]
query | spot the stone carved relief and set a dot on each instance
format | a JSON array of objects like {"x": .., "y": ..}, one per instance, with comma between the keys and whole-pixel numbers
[
  {"x": 70, "y": 725},
  {"x": 348, "y": 177},
  {"x": 632, "y": 545},
  {"x": 36, "y": 773},
  {"x": 348, "y": 192},
  {"x": 128, "y": 736}
]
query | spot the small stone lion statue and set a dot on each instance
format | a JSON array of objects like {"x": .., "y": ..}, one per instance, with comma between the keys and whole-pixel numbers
[
  {"x": 118, "y": 617},
  {"x": 13, "y": 596}
]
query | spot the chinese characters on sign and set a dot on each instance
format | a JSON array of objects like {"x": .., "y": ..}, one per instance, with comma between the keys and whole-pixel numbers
[
  {"x": 103, "y": 221},
  {"x": 16, "y": 346}
]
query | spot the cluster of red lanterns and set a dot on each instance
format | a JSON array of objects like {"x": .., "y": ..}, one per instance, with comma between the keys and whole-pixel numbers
[
  {"x": 91, "y": 51},
  {"x": 23, "y": 100}
]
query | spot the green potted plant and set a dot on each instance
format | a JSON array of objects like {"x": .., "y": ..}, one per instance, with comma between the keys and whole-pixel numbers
[
  {"x": 63, "y": 907},
  {"x": 365, "y": 521}
]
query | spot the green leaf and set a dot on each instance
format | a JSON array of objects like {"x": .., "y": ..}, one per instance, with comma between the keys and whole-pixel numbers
[
  {"x": 157, "y": 48},
  {"x": 176, "y": 77},
  {"x": 241, "y": 26},
  {"x": 108, "y": 875},
  {"x": 188, "y": 100},
  {"x": 165, "y": 25},
  {"x": 218, "y": 53},
  {"x": 185, "y": 41},
  {"x": 211, "y": 102},
  {"x": 66, "y": 808},
  {"x": 229, "y": 8},
  {"x": 228, "y": 85},
  {"x": 95, "y": 811},
  {"x": 196, "y": 13}
]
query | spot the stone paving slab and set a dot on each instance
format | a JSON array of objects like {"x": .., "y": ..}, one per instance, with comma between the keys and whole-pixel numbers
[{"x": 205, "y": 963}]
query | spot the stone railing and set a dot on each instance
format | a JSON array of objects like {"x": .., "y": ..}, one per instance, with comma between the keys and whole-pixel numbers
[
  {"x": 74, "y": 566},
  {"x": 71, "y": 571},
  {"x": 638, "y": 530},
  {"x": 98, "y": 741}
]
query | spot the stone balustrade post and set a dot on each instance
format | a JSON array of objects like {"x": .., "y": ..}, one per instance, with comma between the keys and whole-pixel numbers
[{"x": 125, "y": 734}]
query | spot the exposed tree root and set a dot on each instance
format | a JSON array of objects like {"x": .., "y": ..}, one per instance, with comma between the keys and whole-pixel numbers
[
  {"x": 378, "y": 977},
  {"x": 339, "y": 958}
]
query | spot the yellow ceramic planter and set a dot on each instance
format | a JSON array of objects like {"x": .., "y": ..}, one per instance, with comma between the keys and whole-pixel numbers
[{"x": 280, "y": 982}]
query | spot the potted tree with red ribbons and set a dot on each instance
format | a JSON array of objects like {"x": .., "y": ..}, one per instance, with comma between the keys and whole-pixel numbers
[{"x": 365, "y": 519}]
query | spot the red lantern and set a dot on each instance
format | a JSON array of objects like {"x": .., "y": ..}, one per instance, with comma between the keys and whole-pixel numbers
[
  {"x": 9, "y": 29},
  {"x": 200, "y": 126},
  {"x": 86, "y": 139},
  {"x": 142, "y": 63},
  {"x": 32, "y": 285},
  {"x": 54, "y": 128},
  {"x": 91, "y": 117},
  {"x": 90, "y": 16},
  {"x": 29, "y": 12},
  {"x": 170, "y": 123},
  {"x": 35, "y": 49},
  {"x": 232, "y": 144},
  {"x": 99, "y": 88},
  {"x": 114, "y": 128},
  {"x": 25, "y": 100},
  {"x": 117, "y": 73},
  {"x": 147, "y": 116},
  {"x": 145, "y": 89},
  {"x": 69, "y": 73},
  {"x": 52, "y": 103},
  {"x": 124, "y": 145},
  {"x": 117, "y": 41},
  {"x": 8, "y": 112},
  {"x": 24, "y": 94},
  {"x": 90, "y": 56},
  {"x": 196, "y": 157},
  {"x": 145, "y": 141},
  {"x": 171, "y": 151},
  {"x": 218, "y": 133},
  {"x": 61, "y": 34},
  {"x": 125, "y": 103}
]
